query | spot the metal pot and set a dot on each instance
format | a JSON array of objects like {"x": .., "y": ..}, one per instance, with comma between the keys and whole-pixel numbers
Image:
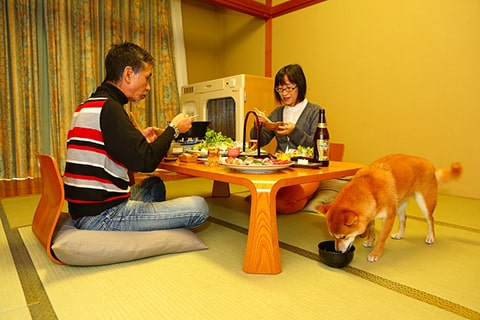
[{"x": 197, "y": 131}]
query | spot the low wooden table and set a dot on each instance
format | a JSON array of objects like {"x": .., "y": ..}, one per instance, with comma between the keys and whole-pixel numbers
[{"x": 262, "y": 252}]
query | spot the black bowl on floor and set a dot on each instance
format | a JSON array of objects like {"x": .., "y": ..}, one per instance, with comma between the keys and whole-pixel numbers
[{"x": 332, "y": 258}]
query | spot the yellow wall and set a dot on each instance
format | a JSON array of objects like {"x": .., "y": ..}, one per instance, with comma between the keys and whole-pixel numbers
[
  {"x": 221, "y": 42},
  {"x": 394, "y": 77},
  {"x": 203, "y": 43}
]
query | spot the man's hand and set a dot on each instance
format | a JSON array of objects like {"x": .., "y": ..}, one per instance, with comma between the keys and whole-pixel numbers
[
  {"x": 150, "y": 133},
  {"x": 182, "y": 122}
]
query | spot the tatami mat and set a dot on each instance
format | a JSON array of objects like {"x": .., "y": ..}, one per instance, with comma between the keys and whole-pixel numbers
[
  {"x": 437, "y": 270},
  {"x": 19, "y": 210},
  {"x": 12, "y": 299},
  {"x": 210, "y": 284},
  {"x": 411, "y": 280}
]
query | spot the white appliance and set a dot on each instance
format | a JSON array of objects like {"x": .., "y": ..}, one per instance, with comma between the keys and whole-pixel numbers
[{"x": 225, "y": 101}]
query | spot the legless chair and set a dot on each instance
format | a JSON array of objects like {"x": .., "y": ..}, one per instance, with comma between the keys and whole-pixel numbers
[
  {"x": 66, "y": 244},
  {"x": 336, "y": 151},
  {"x": 50, "y": 206}
]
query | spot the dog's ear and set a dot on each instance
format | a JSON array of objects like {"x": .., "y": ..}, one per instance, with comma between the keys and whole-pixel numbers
[
  {"x": 350, "y": 218},
  {"x": 323, "y": 208}
]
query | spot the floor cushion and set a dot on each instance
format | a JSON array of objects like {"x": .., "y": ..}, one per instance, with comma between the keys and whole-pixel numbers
[
  {"x": 87, "y": 247},
  {"x": 327, "y": 191}
]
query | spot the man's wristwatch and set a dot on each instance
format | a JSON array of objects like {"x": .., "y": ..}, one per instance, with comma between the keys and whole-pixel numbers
[{"x": 177, "y": 132}]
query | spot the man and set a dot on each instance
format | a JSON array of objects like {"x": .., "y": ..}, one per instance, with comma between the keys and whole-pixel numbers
[{"x": 103, "y": 145}]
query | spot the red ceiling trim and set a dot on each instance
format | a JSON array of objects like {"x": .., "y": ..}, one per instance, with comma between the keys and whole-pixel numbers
[
  {"x": 291, "y": 6},
  {"x": 250, "y": 7},
  {"x": 264, "y": 11}
]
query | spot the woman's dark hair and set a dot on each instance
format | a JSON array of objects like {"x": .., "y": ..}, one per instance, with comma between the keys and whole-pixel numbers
[
  {"x": 123, "y": 55},
  {"x": 295, "y": 75}
]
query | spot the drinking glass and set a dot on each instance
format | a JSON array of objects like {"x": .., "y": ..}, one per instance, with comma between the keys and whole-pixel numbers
[{"x": 213, "y": 155}]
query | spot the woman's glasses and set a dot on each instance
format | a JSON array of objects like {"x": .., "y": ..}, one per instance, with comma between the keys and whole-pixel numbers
[{"x": 286, "y": 89}]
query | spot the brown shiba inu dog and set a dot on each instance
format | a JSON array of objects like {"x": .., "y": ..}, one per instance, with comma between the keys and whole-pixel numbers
[{"x": 380, "y": 191}]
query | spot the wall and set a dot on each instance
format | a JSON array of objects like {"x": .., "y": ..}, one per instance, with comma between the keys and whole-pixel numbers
[
  {"x": 393, "y": 76},
  {"x": 221, "y": 42},
  {"x": 203, "y": 42}
]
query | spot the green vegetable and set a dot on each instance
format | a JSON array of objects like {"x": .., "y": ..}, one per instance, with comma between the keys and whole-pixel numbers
[
  {"x": 217, "y": 138},
  {"x": 305, "y": 151}
]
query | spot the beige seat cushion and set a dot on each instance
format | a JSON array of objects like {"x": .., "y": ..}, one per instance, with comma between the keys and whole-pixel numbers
[
  {"x": 87, "y": 247},
  {"x": 327, "y": 192}
]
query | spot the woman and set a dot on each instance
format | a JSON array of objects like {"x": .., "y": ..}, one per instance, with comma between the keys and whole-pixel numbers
[{"x": 298, "y": 121}]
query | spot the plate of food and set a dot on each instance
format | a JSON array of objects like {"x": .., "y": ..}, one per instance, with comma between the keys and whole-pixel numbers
[
  {"x": 250, "y": 153},
  {"x": 256, "y": 166},
  {"x": 200, "y": 153},
  {"x": 204, "y": 152},
  {"x": 296, "y": 154}
]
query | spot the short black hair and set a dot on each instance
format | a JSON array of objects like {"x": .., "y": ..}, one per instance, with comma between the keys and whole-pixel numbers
[
  {"x": 123, "y": 55},
  {"x": 294, "y": 74}
]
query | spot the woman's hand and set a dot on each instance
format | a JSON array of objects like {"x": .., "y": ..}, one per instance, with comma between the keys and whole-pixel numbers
[
  {"x": 262, "y": 117},
  {"x": 285, "y": 128}
]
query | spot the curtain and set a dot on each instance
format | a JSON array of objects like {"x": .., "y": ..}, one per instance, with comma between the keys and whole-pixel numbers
[
  {"x": 52, "y": 54},
  {"x": 19, "y": 113}
]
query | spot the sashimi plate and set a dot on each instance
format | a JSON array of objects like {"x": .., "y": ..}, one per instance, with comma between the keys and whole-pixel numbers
[{"x": 258, "y": 168}]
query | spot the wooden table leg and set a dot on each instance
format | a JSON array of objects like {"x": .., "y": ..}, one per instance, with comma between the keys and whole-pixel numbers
[
  {"x": 263, "y": 252},
  {"x": 220, "y": 189}
]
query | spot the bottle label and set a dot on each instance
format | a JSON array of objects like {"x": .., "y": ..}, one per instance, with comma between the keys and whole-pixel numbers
[{"x": 323, "y": 148}]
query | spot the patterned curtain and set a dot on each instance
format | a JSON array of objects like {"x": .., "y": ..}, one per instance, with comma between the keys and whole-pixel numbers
[
  {"x": 19, "y": 85},
  {"x": 53, "y": 59}
]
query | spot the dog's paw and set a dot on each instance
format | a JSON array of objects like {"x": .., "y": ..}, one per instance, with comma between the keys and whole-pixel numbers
[
  {"x": 429, "y": 240},
  {"x": 397, "y": 236},
  {"x": 372, "y": 257},
  {"x": 367, "y": 244}
]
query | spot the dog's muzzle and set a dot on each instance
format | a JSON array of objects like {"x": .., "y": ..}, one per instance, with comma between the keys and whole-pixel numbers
[{"x": 342, "y": 245}]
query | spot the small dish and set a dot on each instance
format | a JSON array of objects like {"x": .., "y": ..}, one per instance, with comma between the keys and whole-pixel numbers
[
  {"x": 296, "y": 158},
  {"x": 272, "y": 125},
  {"x": 233, "y": 152},
  {"x": 311, "y": 165}
]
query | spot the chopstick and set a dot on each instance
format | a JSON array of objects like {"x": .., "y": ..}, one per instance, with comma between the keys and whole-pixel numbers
[{"x": 263, "y": 115}]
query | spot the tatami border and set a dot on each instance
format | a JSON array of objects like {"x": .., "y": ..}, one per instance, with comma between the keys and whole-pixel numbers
[{"x": 35, "y": 295}]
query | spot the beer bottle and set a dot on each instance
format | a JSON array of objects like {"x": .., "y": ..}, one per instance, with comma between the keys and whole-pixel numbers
[{"x": 321, "y": 146}]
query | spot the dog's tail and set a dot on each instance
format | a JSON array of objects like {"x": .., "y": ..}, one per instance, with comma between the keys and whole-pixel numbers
[{"x": 452, "y": 173}]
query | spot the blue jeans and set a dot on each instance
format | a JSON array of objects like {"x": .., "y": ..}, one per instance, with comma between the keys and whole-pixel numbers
[{"x": 147, "y": 210}]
